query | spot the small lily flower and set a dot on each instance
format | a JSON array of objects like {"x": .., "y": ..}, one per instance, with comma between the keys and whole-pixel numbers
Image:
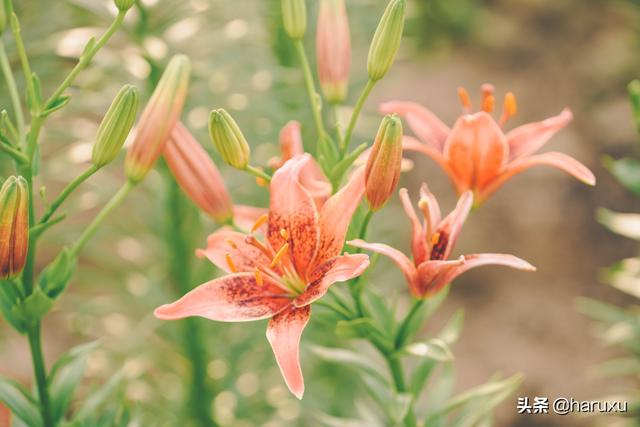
[
  {"x": 280, "y": 277},
  {"x": 333, "y": 49},
  {"x": 477, "y": 154},
  {"x": 432, "y": 244}
]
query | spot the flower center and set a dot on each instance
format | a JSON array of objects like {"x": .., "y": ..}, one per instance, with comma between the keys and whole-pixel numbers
[
  {"x": 439, "y": 243},
  {"x": 510, "y": 106}
]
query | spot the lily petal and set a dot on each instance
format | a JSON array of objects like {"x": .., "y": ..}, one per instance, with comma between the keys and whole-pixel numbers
[
  {"x": 476, "y": 149},
  {"x": 450, "y": 227},
  {"x": 231, "y": 298},
  {"x": 430, "y": 276},
  {"x": 226, "y": 242},
  {"x": 435, "y": 276},
  {"x": 338, "y": 269},
  {"x": 315, "y": 182},
  {"x": 246, "y": 216},
  {"x": 292, "y": 209},
  {"x": 554, "y": 159},
  {"x": 529, "y": 138},
  {"x": 418, "y": 242},
  {"x": 412, "y": 144},
  {"x": 284, "y": 332},
  {"x": 424, "y": 124},
  {"x": 335, "y": 218},
  {"x": 403, "y": 262}
]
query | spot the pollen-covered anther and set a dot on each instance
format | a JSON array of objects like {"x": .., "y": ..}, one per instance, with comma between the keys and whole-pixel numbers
[
  {"x": 281, "y": 252},
  {"x": 258, "y": 275},
  {"x": 465, "y": 100},
  {"x": 232, "y": 244},
  {"x": 284, "y": 234},
  {"x": 259, "y": 222},
  {"x": 250, "y": 240},
  {"x": 230, "y": 263},
  {"x": 510, "y": 108},
  {"x": 435, "y": 238},
  {"x": 488, "y": 103}
]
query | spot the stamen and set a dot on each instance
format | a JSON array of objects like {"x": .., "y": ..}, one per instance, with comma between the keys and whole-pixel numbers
[
  {"x": 487, "y": 90},
  {"x": 230, "y": 263},
  {"x": 232, "y": 244},
  {"x": 276, "y": 259},
  {"x": 510, "y": 108},
  {"x": 258, "y": 275},
  {"x": 464, "y": 99},
  {"x": 488, "y": 103},
  {"x": 284, "y": 234},
  {"x": 257, "y": 244},
  {"x": 423, "y": 204},
  {"x": 435, "y": 238},
  {"x": 260, "y": 222}
]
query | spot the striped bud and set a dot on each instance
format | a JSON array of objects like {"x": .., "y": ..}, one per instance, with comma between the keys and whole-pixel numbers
[
  {"x": 115, "y": 126},
  {"x": 294, "y": 17},
  {"x": 197, "y": 175},
  {"x": 333, "y": 49},
  {"x": 228, "y": 139},
  {"x": 386, "y": 40},
  {"x": 383, "y": 166},
  {"x": 158, "y": 118},
  {"x": 14, "y": 226}
]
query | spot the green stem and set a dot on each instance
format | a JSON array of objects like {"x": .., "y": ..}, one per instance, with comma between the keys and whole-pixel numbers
[
  {"x": 314, "y": 98},
  {"x": 356, "y": 287},
  {"x": 24, "y": 59},
  {"x": 20, "y": 158},
  {"x": 67, "y": 191},
  {"x": 402, "y": 330},
  {"x": 13, "y": 90},
  {"x": 336, "y": 119},
  {"x": 86, "y": 57},
  {"x": 106, "y": 210},
  {"x": 395, "y": 366},
  {"x": 257, "y": 173},
  {"x": 40, "y": 372},
  {"x": 355, "y": 114}
]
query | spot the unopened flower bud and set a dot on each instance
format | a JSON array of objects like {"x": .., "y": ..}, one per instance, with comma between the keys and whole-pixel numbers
[
  {"x": 197, "y": 175},
  {"x": 228, "y": 139},
  {"x": 158, "y": 118},
  {"x": 333, "y": 49},
  {"x": 115, "y": 126},
  {"x": 294, "y": 17},
  {"x": 384, "y": 164},
  {"x": 124, "y": 5},
  {"x": 386, "y": 40},
  {"x": 14, "y": 226}
]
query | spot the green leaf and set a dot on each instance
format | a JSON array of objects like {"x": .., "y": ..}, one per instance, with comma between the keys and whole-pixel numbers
[
  {"x": 34, "y": 100},
  {"x": 395, "y": 405},
  {"x": 331, "y": 421},
  {"x": 95, "y": 400},
  {"x": 10, "y": 298},
  {"x": 606, "y": 313},
  {"x": 361, "y": 328},
  {"x": 55, "y": 105},
  {"x": 421, "y": 374},
  {"x": 626, "y": 171},
  {"x": 451, "y": 332},
  {"x": 439, "y": 392},
  {"x": 434, "y": 348},
  {"x": 377, "y": 307},
  {"x": 347, "y": 357},
  {"x": 33, "y": 308},
  {"x": 65, "y": 376},
  {"x": 56, "y": 276},
  {"x": 20, "y": 402},
  {"x": 341, "y": 168}
]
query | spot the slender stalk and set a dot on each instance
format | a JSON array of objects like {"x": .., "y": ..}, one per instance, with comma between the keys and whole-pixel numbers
[
  {"x": 12, "y": 89},
  {"x": 17, "y": 155},
  {"x": 87, "y": 56},
  {"x": 24, "y": 59},
  {"x": 40, "y": 372},
  {"x": 178, "y": 250},
  {"x": 336, "y": 119},
  {"x": 314, "y": 98},
  {"x": 397, "y": 372},
  {"x": 106, "y": 210},
  {"x": 401, "y": 336},
  {"x": 355, "y": 114},
  {"x": 67, "y": 191},
  {"x": 356, "y": 287},
  {"x": 257, "y": 173}
]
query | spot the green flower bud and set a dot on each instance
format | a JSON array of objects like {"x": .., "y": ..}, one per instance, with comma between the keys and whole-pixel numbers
[
  {"x": 115, "y": 126},
  {"x": 124, "y": 5},
  {"x": 14, "y": 226},
  {"x": 228, "y": 139},
  {"x": 294, "y": 17},
  {"x": 386, "y": 40}
]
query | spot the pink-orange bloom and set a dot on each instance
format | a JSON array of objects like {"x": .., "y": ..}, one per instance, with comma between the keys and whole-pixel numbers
[
  {"x": 333, "y": 49},
  {"x": 432, "y": 244},
  {"x": 477, "y": 154},
  {"x": 281, "y": 277}
]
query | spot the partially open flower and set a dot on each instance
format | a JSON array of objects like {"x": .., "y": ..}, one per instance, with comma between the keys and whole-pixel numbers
[
  {"x": 14, "y": 226},
  {"x": 333, "y": 49},
  {"x": 158, "y": 119},
  {"x": 386, "y": 40},
  {"x": 384, "y": 164},
  {"x": 197, "y": 175},
  {"x": 228, "y": 139}
]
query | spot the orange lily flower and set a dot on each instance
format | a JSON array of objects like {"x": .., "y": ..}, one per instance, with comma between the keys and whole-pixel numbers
[
  {"x": 477, "y": 154},
  {"x": 281, "y": 277},
  {"x": 432, "y": 244}
]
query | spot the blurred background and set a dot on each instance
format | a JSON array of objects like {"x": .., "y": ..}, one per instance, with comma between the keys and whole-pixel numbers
[{"x": 575, "y": 53}]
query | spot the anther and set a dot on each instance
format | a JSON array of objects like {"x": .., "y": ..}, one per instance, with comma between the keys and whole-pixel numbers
[
  {"x": 276, "y": 259},
  {"x": 260, "y": 222},
  {"x": 230, "y": 263},
  {"x": 232, "y": 244},
  {"x": 510, "y": 108},
  {"x": 488, "y": 103},
  {"x": 258, "y": 275},
  {"x": 284, "y": 234},
  {"x": 255, "y": 243},
  {"x": 464, "y": 99}
]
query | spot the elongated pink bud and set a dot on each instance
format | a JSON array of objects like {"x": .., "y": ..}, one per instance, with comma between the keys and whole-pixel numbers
[
  {"x": 333, "y": 49},
  {"x": 291, "y": 141},
  {"x": 158, "y": 119},
  {"x": 197, "y": 175},
  {"x": 383, "y": 167},
  {"x": 14, "y": 226}
]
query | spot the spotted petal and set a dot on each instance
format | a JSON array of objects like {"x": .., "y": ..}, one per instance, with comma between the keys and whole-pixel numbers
[
  {"x": 284, "y": 332},
  {"x": 232, "y": 298},
  {"x": 338, "y": 269}
]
